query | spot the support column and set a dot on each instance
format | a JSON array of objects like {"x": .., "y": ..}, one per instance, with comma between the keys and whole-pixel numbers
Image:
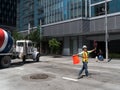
[
  {"x": 66, "y": 46},
  {"x": 80, "y": 41}
]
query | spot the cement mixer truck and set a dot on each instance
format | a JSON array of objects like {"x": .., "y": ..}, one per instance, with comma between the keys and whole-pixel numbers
[{"x": 23, "y": 49}]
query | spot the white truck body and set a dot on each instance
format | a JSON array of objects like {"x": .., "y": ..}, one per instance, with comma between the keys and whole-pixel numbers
[
  {"x": 23, "y": 49},
  {"x": 26, "y": 47}
]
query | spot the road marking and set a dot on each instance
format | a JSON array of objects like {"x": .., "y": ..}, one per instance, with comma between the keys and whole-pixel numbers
[
  {"x": 71, "y": 79},
  {"x": 19, "y": 68}
]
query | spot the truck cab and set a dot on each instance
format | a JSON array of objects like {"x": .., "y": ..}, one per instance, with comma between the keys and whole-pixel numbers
[
  {"x": 20, "y": 44},
  {"x": 26, "y": 50}
]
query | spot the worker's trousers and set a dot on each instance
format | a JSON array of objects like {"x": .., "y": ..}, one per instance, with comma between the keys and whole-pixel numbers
[{"x": 84, "y": 67}]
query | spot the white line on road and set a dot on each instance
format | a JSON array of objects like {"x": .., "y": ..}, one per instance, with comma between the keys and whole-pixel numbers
[{"x": 71, "y": 79}]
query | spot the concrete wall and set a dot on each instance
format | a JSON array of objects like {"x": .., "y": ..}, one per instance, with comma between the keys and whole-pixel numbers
[
  {"x": 64, "y": 29},
  {"x": 99, "y": 24},
  {"x": 83, "y": 26}
]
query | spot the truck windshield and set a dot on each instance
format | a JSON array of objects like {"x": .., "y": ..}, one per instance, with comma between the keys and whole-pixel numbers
[
  {"x": 20, "y": 44},
  {"x": 30, "y": 44}
]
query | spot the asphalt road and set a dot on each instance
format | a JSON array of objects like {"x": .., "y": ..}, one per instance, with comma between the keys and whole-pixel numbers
[{"x": 59, "y": 74}]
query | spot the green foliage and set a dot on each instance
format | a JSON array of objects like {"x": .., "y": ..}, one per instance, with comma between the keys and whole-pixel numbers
[
  {"x": 54, "y": 46},
  {"x": 16, "y": 35},
  {"x": 35, "y": 36},
  {"x": 40, "y": 32},
  {"x": 114, "y": 55}
]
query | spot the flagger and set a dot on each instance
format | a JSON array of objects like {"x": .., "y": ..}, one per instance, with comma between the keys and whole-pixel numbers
[{"x": 84, "y": 54}]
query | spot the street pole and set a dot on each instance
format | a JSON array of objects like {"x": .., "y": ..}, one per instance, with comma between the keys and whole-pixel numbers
[
  {"x": 106, "y": 30},
  {"x": 40, "y": 35},
  {"x": 28, "y": 30}
]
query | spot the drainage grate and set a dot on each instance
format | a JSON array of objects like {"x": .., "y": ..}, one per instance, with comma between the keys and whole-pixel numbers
[{"x": 39, "y": 76}]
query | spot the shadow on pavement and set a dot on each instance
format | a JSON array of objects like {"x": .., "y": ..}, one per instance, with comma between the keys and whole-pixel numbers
[{"x": 19, "y": 64}]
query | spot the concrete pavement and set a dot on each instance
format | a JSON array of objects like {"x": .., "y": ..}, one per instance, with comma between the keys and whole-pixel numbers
[{"x": 62, "y": 75}]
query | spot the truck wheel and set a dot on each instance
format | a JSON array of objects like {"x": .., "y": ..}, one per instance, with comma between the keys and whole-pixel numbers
[
  {"x": 5, "y": 62},
  {"x": 37, "y": 58},
  {"x": 24, "y": 59}
]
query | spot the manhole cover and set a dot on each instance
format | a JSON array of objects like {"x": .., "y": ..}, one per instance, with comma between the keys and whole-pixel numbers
[{"x": 39, "y": 76}]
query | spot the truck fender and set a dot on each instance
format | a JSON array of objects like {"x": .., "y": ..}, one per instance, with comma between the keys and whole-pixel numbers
[{"x": 35, "y": 53}]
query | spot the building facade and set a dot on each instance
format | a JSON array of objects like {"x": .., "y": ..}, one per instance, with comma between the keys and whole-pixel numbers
[
  {"x": 8, "y": 14},
  {"x": 74, "y": 22},
  {"x": 49, "y": 11}
]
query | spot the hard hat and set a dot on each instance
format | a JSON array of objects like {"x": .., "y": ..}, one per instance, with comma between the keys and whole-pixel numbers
[{"x": 84, "y": 46}]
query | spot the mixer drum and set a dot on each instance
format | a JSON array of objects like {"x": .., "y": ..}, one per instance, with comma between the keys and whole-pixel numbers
[{"x": 6, "y": 41}]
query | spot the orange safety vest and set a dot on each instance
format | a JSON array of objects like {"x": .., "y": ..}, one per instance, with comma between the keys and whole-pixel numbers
[{"x": 85, "y": 56}]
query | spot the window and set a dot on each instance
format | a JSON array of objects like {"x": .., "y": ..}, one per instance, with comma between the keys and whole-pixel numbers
[
  {"x": 100, "y": 9},
  {"x": 30, "y": 44},
  {"x": 20, "y": 44}
]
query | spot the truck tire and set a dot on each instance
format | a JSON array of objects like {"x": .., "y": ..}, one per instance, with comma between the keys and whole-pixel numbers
[
  {"x": 24, "y": 58},
  {"x": 5, "y": 62},
  {"x": 37, "y": 58}
]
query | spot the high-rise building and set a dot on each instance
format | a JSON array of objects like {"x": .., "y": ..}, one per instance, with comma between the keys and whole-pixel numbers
[
  {"x": 8, "y": 14},
  {"x": 49, "y": 11},
  {"x": 73, "y": 22}
]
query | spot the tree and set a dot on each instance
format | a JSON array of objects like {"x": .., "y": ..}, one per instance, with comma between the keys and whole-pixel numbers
[
  {"x": 35, "y": 37},
  {"x": 54, "y": 46},
  {"x": 16, "y": 35}
]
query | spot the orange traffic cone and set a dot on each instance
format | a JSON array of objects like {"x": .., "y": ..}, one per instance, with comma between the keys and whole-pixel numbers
[{"x": 76, "y": 59}]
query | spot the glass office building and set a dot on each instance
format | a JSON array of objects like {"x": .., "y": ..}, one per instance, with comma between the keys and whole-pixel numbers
[
  {"x": 72, "y": 22},
  {"x": 49, "y": 11},
  {"x": 25, "y": 14},
  {"x": 8, "y": 13},
  {"x": 98, "y": 7},
  {"x": 60, "y": 10}
]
